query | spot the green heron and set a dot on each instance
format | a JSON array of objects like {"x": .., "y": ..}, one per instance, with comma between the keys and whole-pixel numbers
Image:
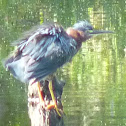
[{"x": 45, "y": 49}]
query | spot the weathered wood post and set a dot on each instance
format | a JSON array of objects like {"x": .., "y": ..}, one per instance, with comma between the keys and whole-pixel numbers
[{"x": 39, "y": 115}]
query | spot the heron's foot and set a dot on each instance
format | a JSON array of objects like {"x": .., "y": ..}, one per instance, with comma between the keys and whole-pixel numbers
[{"x": 53, "y": 103}]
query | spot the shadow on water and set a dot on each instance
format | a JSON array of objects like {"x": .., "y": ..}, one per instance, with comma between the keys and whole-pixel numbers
[{"x": 95, "y": 90}]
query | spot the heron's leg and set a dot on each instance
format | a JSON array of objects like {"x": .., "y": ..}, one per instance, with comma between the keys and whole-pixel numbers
[
  {"x": 40, "y": 94},
  {"x": 54, "y": 104}
]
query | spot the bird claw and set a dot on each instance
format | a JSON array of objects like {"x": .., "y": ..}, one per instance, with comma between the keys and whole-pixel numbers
[
  {"x": 50, "y": 106},
  {"x": 53, "y": 105}
]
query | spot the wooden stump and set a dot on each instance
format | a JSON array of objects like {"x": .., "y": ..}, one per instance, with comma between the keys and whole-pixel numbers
[{"x": 38, "y": 114}]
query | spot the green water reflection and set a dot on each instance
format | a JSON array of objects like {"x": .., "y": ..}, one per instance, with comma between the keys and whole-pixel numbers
[{"x": 95, "y": 90}]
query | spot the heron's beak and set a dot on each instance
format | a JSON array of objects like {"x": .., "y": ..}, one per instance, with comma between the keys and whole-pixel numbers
[{"x": 96, "y": 32}]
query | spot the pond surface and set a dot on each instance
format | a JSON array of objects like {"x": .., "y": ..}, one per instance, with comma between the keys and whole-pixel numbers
[{"x": 95, "y": 90}]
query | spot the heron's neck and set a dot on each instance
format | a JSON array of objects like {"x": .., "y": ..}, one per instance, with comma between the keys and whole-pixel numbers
[{"x": 77, "y": 35}]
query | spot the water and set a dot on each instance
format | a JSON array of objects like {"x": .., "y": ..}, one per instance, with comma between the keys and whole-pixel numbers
[{"x": 95, "y": 90}]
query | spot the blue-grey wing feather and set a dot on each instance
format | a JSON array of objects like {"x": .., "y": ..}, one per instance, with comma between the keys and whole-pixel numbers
[{"x": 45, "y": 50}]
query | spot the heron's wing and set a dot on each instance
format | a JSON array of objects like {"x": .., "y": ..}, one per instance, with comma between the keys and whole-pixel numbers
[{"x": 49, "y": 48}]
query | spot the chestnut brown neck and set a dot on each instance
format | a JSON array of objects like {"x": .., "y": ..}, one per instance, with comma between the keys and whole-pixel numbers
[{"x": 77, "y": 35}]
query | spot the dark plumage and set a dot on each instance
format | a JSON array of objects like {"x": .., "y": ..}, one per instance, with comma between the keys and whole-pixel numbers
[
  {"x": 41, "y": 53},
  {"x": 45, "y": 49},
  {"x": 83, "y": 26}
]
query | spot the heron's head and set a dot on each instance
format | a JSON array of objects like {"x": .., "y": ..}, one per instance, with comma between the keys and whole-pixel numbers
[{"x": 87, "y": 31}]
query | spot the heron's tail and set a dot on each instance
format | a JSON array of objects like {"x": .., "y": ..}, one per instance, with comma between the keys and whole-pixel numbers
[{"x": 15, "y": 66}]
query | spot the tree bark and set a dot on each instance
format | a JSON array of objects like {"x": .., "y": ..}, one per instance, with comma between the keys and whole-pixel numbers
[{"x": 39, "y": 115}]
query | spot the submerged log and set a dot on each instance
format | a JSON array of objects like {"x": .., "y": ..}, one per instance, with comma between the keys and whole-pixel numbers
[{"x": 39, "y": 115}]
